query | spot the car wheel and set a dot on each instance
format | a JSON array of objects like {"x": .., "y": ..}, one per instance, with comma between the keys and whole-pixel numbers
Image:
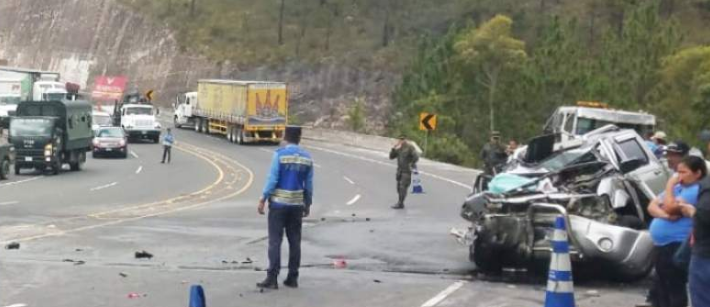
[
  {"x": 486, "y": 258},
  {"x": 56, "y": 168},
  {"x": 17, "y": 169},
  {"x": 175, "y": 123},
  {"x": 4, "y": 169}
]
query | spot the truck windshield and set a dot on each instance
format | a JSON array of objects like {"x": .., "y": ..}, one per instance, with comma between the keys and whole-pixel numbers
[
  {"x": 585, "y": 125},
  {"x": 139, "y": 111},
  {"x": 9, "y": 100},
  {"x": 31, "y": 127},
  {"x": 55, "y": 96}
]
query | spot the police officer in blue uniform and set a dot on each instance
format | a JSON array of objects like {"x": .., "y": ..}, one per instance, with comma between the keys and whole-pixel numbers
[{"x": 289, "y": 194}]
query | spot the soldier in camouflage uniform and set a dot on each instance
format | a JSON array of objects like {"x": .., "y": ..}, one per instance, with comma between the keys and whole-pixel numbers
[
  {"x": 407, "y": 157},
  {"x": 493, "y": 154}
]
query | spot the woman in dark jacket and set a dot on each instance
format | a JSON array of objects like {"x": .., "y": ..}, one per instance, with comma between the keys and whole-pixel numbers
[
  {"x": 700, "y": 261},
  {"x": 669, "y": 229}
]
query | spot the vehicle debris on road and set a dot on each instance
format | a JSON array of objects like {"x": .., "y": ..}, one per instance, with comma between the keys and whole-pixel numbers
[
  {"x": 143, "y": 255},
  {"x": 13, "y": 245}
]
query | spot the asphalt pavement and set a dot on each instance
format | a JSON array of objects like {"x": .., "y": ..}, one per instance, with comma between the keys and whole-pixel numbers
[{"x": 197, "y": 216}]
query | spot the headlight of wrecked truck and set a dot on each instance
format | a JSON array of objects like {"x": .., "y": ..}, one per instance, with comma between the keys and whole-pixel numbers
[{"x": 474, "y": 207}]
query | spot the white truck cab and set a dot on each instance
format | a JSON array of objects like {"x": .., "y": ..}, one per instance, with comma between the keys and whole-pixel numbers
[
  {"x": 49, "y": 90},
  {"x": 184, "y": 105},
  {"x": 570, "y": 122},
  {"x": 139, "y": 122}
]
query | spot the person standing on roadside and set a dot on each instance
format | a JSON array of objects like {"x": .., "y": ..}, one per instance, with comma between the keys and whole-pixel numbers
[
  {"x": 670, "y": 228},
  {"x": 659, "y": 138},
  {"x": 407, "y": 158},
  {"x": 168, "y": 141},
  {"x": 493, "y": 154},
  {"x": 289, "y": 194}
]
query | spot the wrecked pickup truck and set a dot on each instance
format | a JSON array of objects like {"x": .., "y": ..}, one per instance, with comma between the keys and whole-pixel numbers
[{"x": 601, "y": 186}]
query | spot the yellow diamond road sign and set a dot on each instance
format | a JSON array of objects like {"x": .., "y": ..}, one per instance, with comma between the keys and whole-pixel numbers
[{"x": 427, "y": 121}]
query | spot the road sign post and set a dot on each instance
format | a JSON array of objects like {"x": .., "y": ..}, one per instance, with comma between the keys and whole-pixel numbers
[{"x": 427, "y": 123}]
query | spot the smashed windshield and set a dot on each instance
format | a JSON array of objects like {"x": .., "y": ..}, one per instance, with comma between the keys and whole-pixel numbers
[
  {"x": 567, "y": 158},
  {"x": 31, "y": 127}
]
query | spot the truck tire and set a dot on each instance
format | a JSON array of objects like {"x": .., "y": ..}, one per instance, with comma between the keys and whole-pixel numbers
[
  {"x": 240, "y": 136},
  {"x": 175, "y": 123},
  {"x": 198, "y": 125},
  {"x": 76, "y": 165},
  {"x": 230, "y": 134},
  {"x": 17, "y": 169},
  {"x": 206, "y": 126},
  {"x": 56, "y": 168},
  {"x": 4, "y": 169}
]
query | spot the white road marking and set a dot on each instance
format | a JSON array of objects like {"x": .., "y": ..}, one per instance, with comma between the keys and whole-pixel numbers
[
  {"x": 266, "y": 150},
  {"x": 7, "y": 203},
  {"x": 443, "y": 294},
  {"x": 140, "y": 168},
  {"x": 17, "y": 305},
  {"x": 20, "y": 181},
  {"x": 350, "y": 181},
  {"x": 354, "y": 200},
  {"x": 104, "y": 186},
  {"x": 463, "y": 185},
  {"x": 317, "y": 165},
  {"x": 133, "y": 153}
]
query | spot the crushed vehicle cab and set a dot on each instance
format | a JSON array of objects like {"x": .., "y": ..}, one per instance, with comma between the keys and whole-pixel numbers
[{"x": 601, "y": 187}]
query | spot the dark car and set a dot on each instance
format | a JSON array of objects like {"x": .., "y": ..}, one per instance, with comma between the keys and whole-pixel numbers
[{"x": 111, "y": 140}]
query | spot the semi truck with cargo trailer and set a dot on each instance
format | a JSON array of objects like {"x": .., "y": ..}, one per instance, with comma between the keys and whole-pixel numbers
[
  {"x": 48, "y": 134},
  {"x": 242, "y": 111},
  {"x": 33, "y": 85}
]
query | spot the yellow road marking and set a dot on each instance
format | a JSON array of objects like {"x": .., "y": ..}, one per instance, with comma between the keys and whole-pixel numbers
[{"x": 196, "y": 153}]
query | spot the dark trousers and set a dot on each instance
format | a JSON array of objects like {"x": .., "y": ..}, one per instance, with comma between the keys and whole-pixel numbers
[
  {"x": 700, "y": 281},
  {"x": 289, "y": 219},
  {"x": 166, "y": 152},
  {"x": 669, "y": 284},
  {"x": 404, "y": 179}
]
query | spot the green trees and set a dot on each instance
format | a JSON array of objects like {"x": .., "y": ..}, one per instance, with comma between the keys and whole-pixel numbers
[
  {"x": 489, "y": 52},
  {"x": 685, "y": 91},
  {"x": 630, "y": 65}
]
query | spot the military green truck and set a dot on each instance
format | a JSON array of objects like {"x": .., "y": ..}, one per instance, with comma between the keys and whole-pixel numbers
[{"x": 48, "y": 134}]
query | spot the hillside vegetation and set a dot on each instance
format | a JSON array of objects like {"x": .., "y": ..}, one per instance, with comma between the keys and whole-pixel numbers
[{"x": 471, "y": 61}]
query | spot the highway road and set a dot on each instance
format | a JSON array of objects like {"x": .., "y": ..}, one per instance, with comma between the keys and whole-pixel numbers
[{"x": 197, "y": 216}]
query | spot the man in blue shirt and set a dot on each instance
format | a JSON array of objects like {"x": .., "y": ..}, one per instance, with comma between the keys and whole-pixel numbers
[
  {"x": 289, "y": 193},
  {"x": 168, "y": 141}
]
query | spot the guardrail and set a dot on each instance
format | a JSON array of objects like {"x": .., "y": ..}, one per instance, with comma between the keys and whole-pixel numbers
[{"x": 372, "y": 142}]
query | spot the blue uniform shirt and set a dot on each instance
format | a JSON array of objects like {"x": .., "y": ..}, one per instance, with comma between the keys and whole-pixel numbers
[
  {"x": 290, "y": 181},
  {"x": 168, "y": 140},
  {"x": 663, "y": 231}
]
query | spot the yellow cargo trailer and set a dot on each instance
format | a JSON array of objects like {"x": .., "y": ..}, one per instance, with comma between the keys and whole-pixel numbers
[{"x": 243, "y": 111}]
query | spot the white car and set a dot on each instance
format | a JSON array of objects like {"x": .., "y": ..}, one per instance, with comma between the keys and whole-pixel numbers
[{"x": 100, "y": 119}]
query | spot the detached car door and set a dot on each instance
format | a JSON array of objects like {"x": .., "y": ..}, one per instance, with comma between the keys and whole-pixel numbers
[{"x": 631, "y": 146}]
